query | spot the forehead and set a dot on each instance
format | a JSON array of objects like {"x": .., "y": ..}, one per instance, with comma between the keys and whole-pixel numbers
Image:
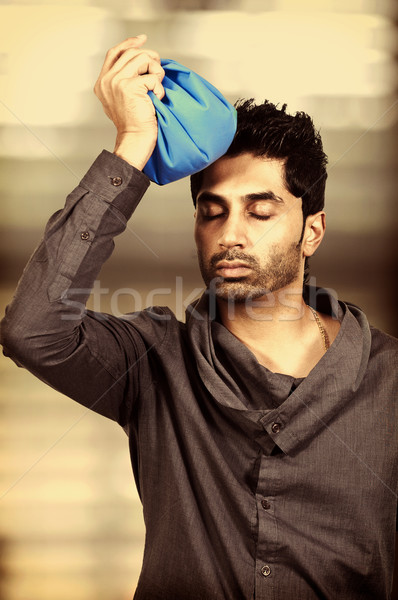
[{"x": 237, "y": 176}]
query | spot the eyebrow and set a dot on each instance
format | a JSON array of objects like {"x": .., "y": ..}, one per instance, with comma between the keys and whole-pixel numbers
[{"x": 267, "y": 195}]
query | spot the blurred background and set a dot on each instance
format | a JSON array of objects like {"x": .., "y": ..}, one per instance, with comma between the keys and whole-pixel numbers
[{"x": 70, "y": 519}]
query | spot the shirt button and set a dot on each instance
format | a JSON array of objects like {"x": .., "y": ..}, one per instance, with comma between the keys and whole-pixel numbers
[
  {"x": 116, "y": 181},
  {"x": 265, "y": 570},
  {"x": 276, "y": 427},
  {"x": 85, "y": 235},
  {"x": 265, "y": 504}
]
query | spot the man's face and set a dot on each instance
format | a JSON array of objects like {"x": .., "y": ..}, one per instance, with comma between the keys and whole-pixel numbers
[{"x": 247, "y": 228}]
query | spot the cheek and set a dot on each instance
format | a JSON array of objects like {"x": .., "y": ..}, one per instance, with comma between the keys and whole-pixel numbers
[
  {"x": 274, "y": 241},
  {"x": 197, "y": 236},
  {"x": 202, "y": 238},
  {"x": 264, "y": 239},
  {"x": 283, "y": 231}
]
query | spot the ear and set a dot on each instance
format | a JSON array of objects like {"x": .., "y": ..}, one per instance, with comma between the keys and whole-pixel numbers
[{"x": 314, "y": 231}]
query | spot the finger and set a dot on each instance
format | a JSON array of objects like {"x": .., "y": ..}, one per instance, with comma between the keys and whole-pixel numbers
[
  {"x": 145, "y": 83},
  {"x": 153, "y": 84},
  {"x": 133, "y": 70},
  {"x": 131, "y": 54},
  {"x": 141, "y": 64},
  {"x": 114, "y": 53}
]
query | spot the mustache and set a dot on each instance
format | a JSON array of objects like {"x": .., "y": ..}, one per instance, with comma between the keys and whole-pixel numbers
[{"x": 233, "y": 255}]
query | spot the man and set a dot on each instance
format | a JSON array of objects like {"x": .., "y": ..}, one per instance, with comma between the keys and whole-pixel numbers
[{"x": 262, "y": 431}]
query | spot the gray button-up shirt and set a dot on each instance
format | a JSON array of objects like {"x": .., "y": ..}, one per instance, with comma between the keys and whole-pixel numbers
[{"x": 254, "y": 485}]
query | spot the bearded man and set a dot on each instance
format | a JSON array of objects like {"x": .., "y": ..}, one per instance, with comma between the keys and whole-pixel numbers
[{"x": 263, "y": 430}]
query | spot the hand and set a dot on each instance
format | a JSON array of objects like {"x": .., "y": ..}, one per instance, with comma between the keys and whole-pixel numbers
[{"x": 128, "y": 73}]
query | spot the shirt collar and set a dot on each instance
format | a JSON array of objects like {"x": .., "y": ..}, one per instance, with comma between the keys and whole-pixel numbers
[{"x": 260, "y": 399}]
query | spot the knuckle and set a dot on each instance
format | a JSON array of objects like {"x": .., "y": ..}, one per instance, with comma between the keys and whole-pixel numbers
[
  {"x": 143, "y": 56},
  {"x": 151, "y": 79},
  {"x": 111, "y": 52},
  {"x": 98, "y": 87},
  {"x": 102, "y": 89},
  {"x": 100, "y": 84}
]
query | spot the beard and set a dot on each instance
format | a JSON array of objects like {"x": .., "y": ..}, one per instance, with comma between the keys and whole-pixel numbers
[{"x": 281, "y": 269}]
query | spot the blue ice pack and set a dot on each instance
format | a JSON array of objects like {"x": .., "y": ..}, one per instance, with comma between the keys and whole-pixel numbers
[{"x": 196, "y": 125}]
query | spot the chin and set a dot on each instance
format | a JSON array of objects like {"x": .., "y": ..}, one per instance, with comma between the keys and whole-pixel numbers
[{"x": 238, "y": 291}]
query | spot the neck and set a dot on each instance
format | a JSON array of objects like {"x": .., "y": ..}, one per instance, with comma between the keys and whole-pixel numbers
[
  {"x": 279, "y": 329},
  {"x": 272, "y": 313}
]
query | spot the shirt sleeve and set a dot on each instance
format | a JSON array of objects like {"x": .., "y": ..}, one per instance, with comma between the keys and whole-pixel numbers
[{"x": 92, "y": 358}]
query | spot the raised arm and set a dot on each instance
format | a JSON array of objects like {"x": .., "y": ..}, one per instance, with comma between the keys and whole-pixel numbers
[{"x": 46, "y": 328}]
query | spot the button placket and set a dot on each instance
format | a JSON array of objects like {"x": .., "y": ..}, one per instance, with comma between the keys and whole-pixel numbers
[
  {"x": 266, "y": 570},
  {"x": 267, "y": 534}
]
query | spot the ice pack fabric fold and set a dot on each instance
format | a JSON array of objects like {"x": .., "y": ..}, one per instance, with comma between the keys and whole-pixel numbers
[{"x": 196, "y": 125}]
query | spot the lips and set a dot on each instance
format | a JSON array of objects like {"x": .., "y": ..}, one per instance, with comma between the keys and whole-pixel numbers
[
  {"x": 231, "y": 264},
  {"x": 232, "y": 268}
]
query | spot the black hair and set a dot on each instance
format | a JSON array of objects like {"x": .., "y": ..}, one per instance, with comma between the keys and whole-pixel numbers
[{"x": 266, "y": 130}]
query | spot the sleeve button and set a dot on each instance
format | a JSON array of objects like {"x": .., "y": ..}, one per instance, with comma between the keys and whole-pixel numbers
[
  {"x": 116, "y": 181},
  {"x": 276, "y": 427}
]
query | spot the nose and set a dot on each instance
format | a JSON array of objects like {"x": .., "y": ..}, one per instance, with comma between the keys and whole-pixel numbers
[{"x": 233, "y": 233}]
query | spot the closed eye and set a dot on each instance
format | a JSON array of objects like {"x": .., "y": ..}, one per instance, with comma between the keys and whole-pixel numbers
[
  {"x": 260, "y": 217},
  {"x": 212, "y": 217}
]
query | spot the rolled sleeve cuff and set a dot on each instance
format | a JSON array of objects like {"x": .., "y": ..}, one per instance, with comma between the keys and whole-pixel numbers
[{"x": 116, "y": 181}]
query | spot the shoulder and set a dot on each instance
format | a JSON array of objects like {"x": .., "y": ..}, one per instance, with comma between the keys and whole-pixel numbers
[
  {"x": 383, "y": 342},
  {"x": 155, "y": 324},
  {"x": 383, "y": 361},
  {"x": 380, "y": 341},
  {"x": 379, "y": 349}
]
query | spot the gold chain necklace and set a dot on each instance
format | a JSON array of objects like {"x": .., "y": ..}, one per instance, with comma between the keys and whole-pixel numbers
[{"x": 322, "y": 330}]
